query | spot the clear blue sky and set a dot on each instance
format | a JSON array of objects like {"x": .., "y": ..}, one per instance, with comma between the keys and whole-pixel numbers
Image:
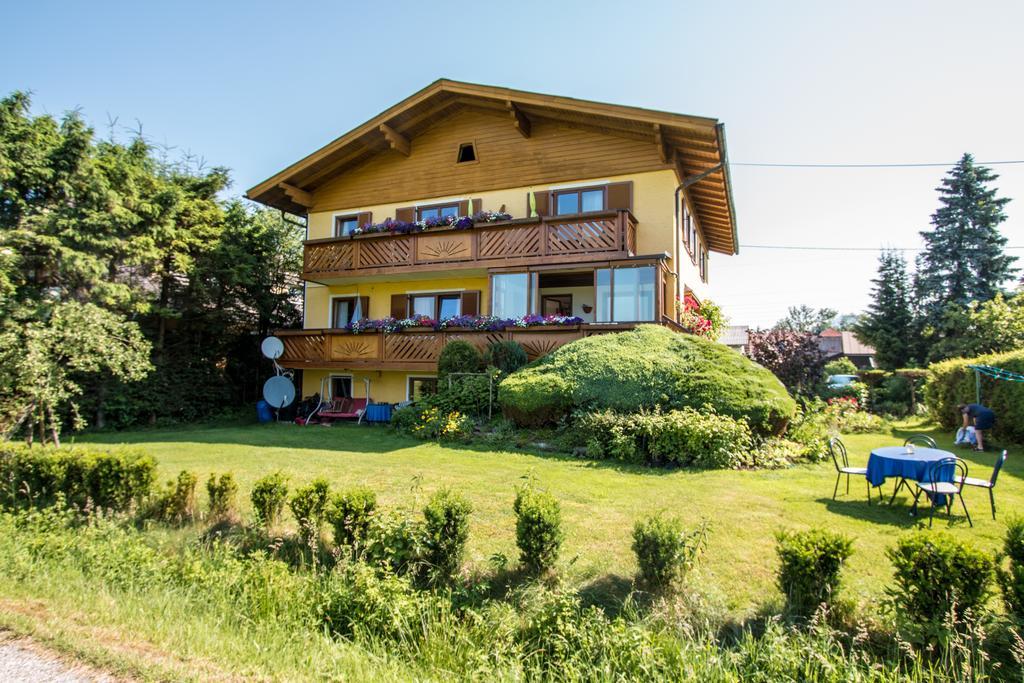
[{"x": 255, "y": 85}]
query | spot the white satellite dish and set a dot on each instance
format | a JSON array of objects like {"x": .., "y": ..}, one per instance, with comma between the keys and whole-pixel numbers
[
  {"x": 272, "y": 348},
  {"x": 278, "y": 392}
]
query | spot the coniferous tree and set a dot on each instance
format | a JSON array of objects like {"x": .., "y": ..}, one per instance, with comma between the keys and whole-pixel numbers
[
  {"x": 888, "y": 324},
  {"x": 964, "y": 258}
]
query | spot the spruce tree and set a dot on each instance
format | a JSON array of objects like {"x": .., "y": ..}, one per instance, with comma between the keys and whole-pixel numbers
[
  {"x": 888, "y": 324},
  {"x": 964, "y": 258}
]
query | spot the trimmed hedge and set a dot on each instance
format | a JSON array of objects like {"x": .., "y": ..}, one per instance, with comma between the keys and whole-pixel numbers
[
  {"x": 113, "y": 480},
  {"x": 645, "y": 368},
  {"x": 951, "y": 383}
]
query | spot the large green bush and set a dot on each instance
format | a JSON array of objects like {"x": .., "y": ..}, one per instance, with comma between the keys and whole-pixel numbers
[
  {"x": 936, "y": 575},
  {"x": 112, "y": 480},
  {"x": 810, "y": 563},
  {"x": 506, "y": 355},
  {"x": 647, "y": 367},
  {"x": 951, "y": 383},
  {"x": 456, "y": 357}
]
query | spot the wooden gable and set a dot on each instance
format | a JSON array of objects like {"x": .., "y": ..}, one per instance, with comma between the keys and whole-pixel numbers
[{"x": 504, "y": 158}]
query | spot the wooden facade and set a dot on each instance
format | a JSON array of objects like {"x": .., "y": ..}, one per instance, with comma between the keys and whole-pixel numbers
[{"x": 524, "y": 242}]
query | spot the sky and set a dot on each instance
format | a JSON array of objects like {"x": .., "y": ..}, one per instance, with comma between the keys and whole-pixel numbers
[{"x": 255, "y": 85}]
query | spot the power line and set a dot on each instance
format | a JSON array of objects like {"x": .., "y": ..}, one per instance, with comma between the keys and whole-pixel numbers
[
  {"x": 793, "y": 247},
  {"x": 912, "y": 165}
]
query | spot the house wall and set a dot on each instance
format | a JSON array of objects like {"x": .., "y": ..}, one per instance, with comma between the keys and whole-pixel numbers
[{"x": 386, "y": 386}]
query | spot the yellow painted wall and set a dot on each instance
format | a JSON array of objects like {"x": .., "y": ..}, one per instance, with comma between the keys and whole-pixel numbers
[
  {"x": 318, "y": 309},
  {"x": 386, "y": 386}
]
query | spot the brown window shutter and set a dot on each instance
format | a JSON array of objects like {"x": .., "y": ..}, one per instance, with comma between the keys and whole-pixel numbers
[
  {"x": 399, "y": 306},
  {"x": 471, "y": 303},
  {"x": 464, "y": 208},
  {"x": 542, "y": 200},
  {"x": 364, "y": 305},
  {"x": 406, "y": 214},
  {"x": 620, "y": 196},
  {"x": 478, "y": 206},
  {"x": 364, "y": 218}
]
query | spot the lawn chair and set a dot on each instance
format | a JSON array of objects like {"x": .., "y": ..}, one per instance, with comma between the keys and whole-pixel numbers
[
  {"x": 838, "y": 452},
  {"x": 922, "y": 440},
  {"x": 990, "y": 484},
  {"x": 954, "y": 470}
]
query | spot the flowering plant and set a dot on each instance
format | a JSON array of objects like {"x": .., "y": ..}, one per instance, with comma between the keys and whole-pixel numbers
[
  {"x": 457, "y": 222},
  {"x": 489, "y": 323},
  {"x": 703, "y": 319},
  {"x": 540, "y": 320}
]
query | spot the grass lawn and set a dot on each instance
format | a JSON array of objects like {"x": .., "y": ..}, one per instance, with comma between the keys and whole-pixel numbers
[{"x": 600, "y": 500}]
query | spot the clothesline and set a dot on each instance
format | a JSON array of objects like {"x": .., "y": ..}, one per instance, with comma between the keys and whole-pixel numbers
[{"x": 997, "y": 373}]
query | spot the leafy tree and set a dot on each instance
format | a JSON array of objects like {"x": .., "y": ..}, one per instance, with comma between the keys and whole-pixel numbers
[
  {"x": 889, "y": 324},
  {"x": 993, "y": 326},
  {"x": 846, "y": 322},
  {"x": 964, "y": 258},
  {"x": 40, "y": 362},
  {"x": 794, "y": 357},
  {"x": 805, "y": 319}
]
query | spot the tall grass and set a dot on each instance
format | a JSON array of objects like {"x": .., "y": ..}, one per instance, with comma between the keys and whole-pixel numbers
[{"x": 205, "y": 610}]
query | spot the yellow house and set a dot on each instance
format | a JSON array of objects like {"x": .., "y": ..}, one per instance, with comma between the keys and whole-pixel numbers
[{"x": 486, "y": 213}]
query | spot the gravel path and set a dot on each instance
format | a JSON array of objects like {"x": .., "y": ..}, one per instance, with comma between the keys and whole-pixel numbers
[{"x": 21, "y": 661}]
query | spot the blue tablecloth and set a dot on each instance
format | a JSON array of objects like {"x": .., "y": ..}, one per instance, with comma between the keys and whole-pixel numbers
[
  {"x": 895, "y": 461},
  {"x": 378, "y": 412}
]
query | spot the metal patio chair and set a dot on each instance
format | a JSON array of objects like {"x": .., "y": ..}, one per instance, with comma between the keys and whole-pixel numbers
[
  {"x": 839, "y": 458},
  {"x": 943, "y": 478},
  {"x": 989, "y": 484},
  {"x": 922, "y": 440}
]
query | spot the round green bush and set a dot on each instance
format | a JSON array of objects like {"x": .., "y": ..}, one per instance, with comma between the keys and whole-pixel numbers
[
  {"x": 458, "y": 356},
  {"x": 643, "y": 368},
  {"x": 508, "y": 356}
]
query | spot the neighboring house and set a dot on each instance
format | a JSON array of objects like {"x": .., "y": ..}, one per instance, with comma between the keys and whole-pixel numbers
[
  {"x": 613, "y": 211},
  {"x": 836, "y": 343},
  {"x": 736, "y": 337}
]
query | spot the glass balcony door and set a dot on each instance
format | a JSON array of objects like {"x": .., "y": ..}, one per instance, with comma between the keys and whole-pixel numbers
[{"x": 625, "y": 295}]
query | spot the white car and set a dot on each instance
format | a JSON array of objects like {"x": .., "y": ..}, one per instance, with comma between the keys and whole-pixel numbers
[{"x": 840, "y": 381}]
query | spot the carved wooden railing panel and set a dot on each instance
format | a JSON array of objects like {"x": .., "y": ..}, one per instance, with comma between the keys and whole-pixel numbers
[
  {"x": 412, "y": 347},
  {"x": 597, "y": 235},
  {"x": 305, "y": 347},
  {"x": 609, "y": 234},
  {"x": 539, "y": 343}
]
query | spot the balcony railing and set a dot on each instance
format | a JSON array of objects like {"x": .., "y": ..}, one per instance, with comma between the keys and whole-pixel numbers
[
  {"x": 569, "y": 239},
  {"x": 415, "y": 349}
]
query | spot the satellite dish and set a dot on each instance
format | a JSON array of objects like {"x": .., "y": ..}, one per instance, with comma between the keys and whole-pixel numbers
[
  {"x": 272, "y": 348},
  {"x": 278, "y": 391}
]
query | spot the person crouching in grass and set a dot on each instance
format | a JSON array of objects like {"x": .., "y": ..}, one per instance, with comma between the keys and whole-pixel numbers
[{"x": 981, "y": 418}]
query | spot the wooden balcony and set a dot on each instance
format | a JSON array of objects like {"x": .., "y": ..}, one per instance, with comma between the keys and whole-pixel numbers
[
  {"x": 595, "y": 236},
  {"x": 418, "y": 349}
]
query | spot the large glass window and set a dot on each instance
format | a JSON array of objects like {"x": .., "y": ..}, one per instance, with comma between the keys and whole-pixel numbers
[
  {"x": 510, "y": 295},
  {"x": 448, "y": 306},
  {"x": 420, "y": 387},
  {"x": 578, "y": 201},
  {"x": 344, "y": 311},
  {"x": 423, "y": 305},
  {"x": 625, "y": 294}
]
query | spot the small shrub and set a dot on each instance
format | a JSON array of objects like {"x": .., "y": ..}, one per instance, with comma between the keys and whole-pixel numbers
[
  {"x": 395, "y": 542},
  {"x": 356, "y": 600},
  {"x": 222, "y": 492},
  {"x": 534, "y": 400},
  {"x": 810, "y": 564},
  {"x": 457, "y": 356},
  {"x": 434, "y": 424},
  {"x": 846, "y": 415},
  {"x": 937, "y": 575},
  {"x": 539, "y": 532},
  {"x": 406, "y": 418},
  {"x": 446, "y": 531},
  {"x": 269, "y": 495},
  {"x": 177, "y": 504},
  {"x": 840, "y": 366},
  {"x": 665, "y": 550},
  {"x": 309, "y": 505},
  {"x": 466, "y": 394},
  {"x": 350, "y": 514},
  {"x": 1011, "y": 576},
  {"x": 508, "y": 356},
  {"x": 699, "y": 439},
  {"x": 606, "y": 434},
  {"x": 811, "y": 430}
]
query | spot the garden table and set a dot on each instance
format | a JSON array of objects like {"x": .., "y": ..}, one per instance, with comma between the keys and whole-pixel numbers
[{"x": 899, "y": 461}]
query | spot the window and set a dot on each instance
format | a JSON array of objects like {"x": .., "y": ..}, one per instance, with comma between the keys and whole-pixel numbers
[
  {"x": 579, "y": 201},
  {"x": 689, "y": 234},
  {"x": 703, "y": 264},
  {"x": 625, "y": 294},
  {"x": 436, "y": 306},
  {"x": 556, "y": 304},
  {"x": 510, "y": 295},
  {"x": 438, "y": 211},
  {"x": 467, "y": 152},
  {"x": 347, "y": 309},
  {"x": 419, "y": 387},
  {"x": 344, "y": 225},
  {"x": 341, "y": 386}
]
